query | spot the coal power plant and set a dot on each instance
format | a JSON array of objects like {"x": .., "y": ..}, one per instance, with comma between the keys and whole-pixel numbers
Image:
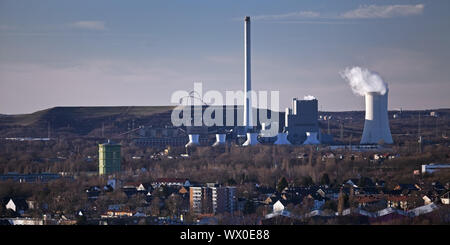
[{"x": 297, "y": 125}]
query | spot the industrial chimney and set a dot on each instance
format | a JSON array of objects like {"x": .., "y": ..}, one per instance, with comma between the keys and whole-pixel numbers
[
  {"x": 247, "y": 76},
  {"x": 248, "y": 110},
  {"x": 376, "y": 125}
]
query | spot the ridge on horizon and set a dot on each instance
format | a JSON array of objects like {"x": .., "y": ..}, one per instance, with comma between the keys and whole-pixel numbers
[{"x": 172, "y": 106}]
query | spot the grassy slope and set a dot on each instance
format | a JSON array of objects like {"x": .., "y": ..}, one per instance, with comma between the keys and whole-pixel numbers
[{"x": 80, "y": 113}]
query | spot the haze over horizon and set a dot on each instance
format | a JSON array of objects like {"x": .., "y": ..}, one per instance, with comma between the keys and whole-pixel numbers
[{"x": 112, "y": 53}]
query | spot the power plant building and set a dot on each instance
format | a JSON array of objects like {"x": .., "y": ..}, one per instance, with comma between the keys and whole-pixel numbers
[
  {"x": 109, "y": 158},
  {"x": 302, "y": 118}
]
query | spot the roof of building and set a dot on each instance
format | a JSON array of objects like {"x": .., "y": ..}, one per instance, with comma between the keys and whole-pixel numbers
[
  {"x": 367, "y": 199},
  {"x": 20, "y": 203},
  {"x": 394, "y": 198}
]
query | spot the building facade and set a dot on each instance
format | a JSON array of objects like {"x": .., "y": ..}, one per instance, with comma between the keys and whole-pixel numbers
[
  {"x": 109, "y": 158},
  {"x": 212, "y": 199},
  {"x": 302, "y": 118}
]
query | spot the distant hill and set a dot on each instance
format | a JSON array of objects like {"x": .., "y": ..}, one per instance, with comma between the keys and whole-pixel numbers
[
  {"x": 81, "y": 120},
  {"x": 113, "y": 120}
]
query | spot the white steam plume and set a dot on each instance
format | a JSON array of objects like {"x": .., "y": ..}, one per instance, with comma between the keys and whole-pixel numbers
[
  {"x": 309, "y": 97},
  {"x": 362, "y": 81}
]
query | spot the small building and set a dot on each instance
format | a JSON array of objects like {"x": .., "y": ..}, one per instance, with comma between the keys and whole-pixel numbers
[
  {"x": 352, "y": 183},
  {"x": 400, "y": 202},
  {"x": 279, "y": 206},
  {"x": 114, "y": 183},
  {"x": 17, "y": 205},
  {"x": 445, "y": 199},
  {"x": 433, "y": 167},
  {"x": 427, "y": 200}
]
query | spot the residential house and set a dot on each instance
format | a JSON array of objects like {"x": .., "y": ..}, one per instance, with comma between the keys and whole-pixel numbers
[
  {"x": 18, "y": 205},
  {"x": 272, "y": 198},
  {"x": 400, "y": 202},
  {"x": 351, "y": 182},
  {"x": 144, "y": 188},
  {"x": 318, "y": 200},
  {"x": 119, "y": 213},
  {"x": 427, "y": 200},
  {"x": 117, "y": 210},
  {"x": 279, "y": 206},
  {"x": 445, "y": 199},
  {"x": 114, "y": 183}
]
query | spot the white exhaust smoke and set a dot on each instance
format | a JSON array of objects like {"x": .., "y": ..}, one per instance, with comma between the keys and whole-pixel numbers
[
  {"x": 309, "y": 97},
  {"x": 363, "y": 81},
  {"x": 369, "y": 84}
]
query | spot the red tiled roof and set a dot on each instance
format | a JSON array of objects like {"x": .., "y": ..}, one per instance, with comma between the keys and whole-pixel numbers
[{"x": 396, "y": 198}]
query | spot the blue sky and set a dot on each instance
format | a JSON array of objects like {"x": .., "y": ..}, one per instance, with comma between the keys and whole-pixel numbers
[{"x": 91, "y": 53}]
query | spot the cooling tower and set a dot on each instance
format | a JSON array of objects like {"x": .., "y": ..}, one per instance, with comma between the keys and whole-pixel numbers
[
  {"x": 282, "y": 139},
  {"x": 193, "y": 140},
  {"x": 220, "y": 140},
  {"x": 311, "y": 139},
  {"x": 376, "y": 125},
  {"x": 251, "y": 139}
]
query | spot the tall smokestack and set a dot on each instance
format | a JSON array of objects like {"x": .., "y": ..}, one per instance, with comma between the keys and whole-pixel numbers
[
  {"x": 248, "y": 110},
  {"x": 376, "y": 125},
  {"x": 248, "y": 122}
]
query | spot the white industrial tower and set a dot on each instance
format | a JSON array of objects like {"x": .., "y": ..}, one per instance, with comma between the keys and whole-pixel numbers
[
  {"x": 248, "y": 110},
  {"x": 376, "y": 125},
  {"x": 247, "y": 76}
]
